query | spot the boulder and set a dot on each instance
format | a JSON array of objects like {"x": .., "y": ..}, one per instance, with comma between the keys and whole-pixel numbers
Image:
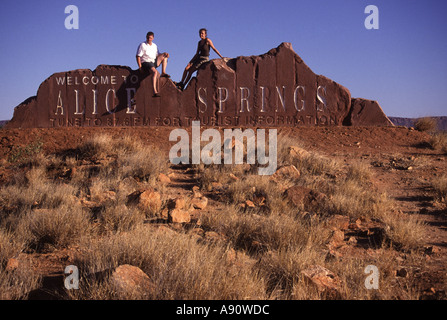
[
  {"x": 199, "y": 202},
  {"x": 304, "y": 197},
  {"x": 323, "y": 279},
  {"x": 131, "y": 282},
  {"x": 146, "y": 200},
  {"x": 285, "y": 173},
  {"x": 275, "y": 89},
  {"x": 367, "y": 113},
  {"x": 179, "y": 216}
]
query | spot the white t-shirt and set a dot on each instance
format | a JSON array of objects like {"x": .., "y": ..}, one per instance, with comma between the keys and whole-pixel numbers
[{"x": 147, "y": 53}]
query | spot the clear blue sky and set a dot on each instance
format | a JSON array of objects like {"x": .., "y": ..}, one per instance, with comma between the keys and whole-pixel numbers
[{"x": 403, "y": 65}]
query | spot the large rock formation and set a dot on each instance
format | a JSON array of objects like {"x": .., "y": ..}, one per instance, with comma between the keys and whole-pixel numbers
[{"x": 271, "y": 90}]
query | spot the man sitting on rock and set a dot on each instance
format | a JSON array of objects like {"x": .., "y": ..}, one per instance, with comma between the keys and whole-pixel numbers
[{"x": 149, "y": 58}]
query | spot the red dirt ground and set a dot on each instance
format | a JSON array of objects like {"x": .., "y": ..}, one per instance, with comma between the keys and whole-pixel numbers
[{"x": 401, "y": 159}]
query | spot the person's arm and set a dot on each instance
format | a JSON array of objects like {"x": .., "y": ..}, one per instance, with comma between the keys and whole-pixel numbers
[
  {"x": 139, "y": 62},
  {"x": 139, "y": 54},
  {"x": 214, "y": 48}
]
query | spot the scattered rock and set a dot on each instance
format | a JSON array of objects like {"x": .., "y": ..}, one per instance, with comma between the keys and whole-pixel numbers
[
  {"x": 284, "y": 173},
  {"x": 196, "y": 192},
  {"x": 147, "y": 200},
  {"x": 131, "y": 282},
  {"x": 298, "y": 152},
  {"x": 325, "y": 280},
  {"x": 179, "y": 216},
  {"x": 304, "y": 197},
  {"x": 12, "y": 264},
  {"x": 199, "y": 203},
  {"x": 431, "y": 250},
  {"x": 177, "y": 203},
  {"x": 164, "y": 179},
  {"x": 150, "y": 199},
  {"x": 249, "y": 204},
  {"x": 338, "y": 222},
  {"x": 233, "y": 177}
]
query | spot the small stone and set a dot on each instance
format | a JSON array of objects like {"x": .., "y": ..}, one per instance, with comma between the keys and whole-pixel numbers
[
  {"x": 164, "y": 178},
  {"x": 325, "y": 280},
  {"x": 286, "y": 173},
  {"x": 12, "y": 264},
  {"x": 199, "y": 203},
  {"x": 179, "y": 216},
  {"x": 177, "y": 203},
  {"x": 130, "y": 282}
]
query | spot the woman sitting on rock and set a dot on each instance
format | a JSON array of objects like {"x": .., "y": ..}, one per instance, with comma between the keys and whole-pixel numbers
[{"x": 202, "y": 55}]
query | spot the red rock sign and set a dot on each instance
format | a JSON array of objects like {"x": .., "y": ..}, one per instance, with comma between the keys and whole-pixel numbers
[{"x": 271, "y": 90}]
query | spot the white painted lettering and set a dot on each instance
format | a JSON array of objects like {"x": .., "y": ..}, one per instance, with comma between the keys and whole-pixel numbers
[
  {"x": 221, "y": 99},
  {"x": 113, "y": 99},
  {"x": 245, "y": 94},
  {"x": 202, "y": 100}
]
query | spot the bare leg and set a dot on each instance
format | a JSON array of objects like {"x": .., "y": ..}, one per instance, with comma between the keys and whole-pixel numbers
[
  {"x": 155, "y": 80},
  {"x": 163, "y": 60},
  {"x": 186, "y": 73},
  {"x": 189, "y": 75}
]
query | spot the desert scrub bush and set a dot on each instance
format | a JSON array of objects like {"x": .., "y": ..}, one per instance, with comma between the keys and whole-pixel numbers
[
  {"x": 33, "y": 191},
  {"x": 440, "y": 187},
  {"x": 258, "y": 189},
  {"x": 18, "y": 284},
  {"x": 97, "y": 147},
  {"x": 179, "y": 267},
  {"x": 15, "y": 284},
  {"x": 146, "y": 164},
  {"x": 291, "y": 153},
  {"x": 8, "y": 247},
  {"x": 351, "y": 199},
  {"x": 21, "y": 154},
  {"x": 221, "y": 173},
  {"x": 131, "y": 157},
  {"x": 282, "y": 271},
  {"x": 46, "y": 229},
  {"x": 253, "y": 232},
  {"x": 438, "y": 141},
  {"x": 120, "y": 218},
  {"x": 360, "y": 172},
  {"x": 405, "y": 232},
  {"x": 426, "y": 124}
]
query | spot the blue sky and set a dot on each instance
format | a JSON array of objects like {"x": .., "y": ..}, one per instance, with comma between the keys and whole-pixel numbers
[{"x": 402, "y": 65}]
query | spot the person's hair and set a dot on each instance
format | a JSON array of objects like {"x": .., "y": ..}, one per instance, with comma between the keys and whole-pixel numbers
[
  {"x": 150, "y": 33},
  {"x": 203, "y": 29}
]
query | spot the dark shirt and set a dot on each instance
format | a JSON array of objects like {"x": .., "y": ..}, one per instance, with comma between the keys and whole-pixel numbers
[{"x": 204, "y": 48}]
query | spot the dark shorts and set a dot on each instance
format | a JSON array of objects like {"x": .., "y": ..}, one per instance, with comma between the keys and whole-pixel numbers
[
  {"x": 147, "y": 66},
  {"x": 197, "y": 62}
]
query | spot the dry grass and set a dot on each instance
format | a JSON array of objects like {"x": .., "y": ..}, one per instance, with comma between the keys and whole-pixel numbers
[
  {"x": 426, "y": 124},
  {"x": 46, "y": 229},
  {"x": 257, "y": 253},
  {"x": 438, "y": 141},
  {"x": 179, "y": 266},
  {"x": 440, "y": 186},
  {"x": 14, "y": 284}
]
